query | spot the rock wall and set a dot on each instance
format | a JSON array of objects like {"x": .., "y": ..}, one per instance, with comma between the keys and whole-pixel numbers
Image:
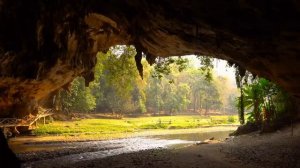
[{"x": 46, "y": 44}]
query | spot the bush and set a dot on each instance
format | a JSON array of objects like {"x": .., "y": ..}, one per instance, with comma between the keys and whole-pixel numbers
[{"x": 231, "y": 119}]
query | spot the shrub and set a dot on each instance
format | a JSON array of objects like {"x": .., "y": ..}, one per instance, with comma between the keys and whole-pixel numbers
[{"x": 231, "y": 119}]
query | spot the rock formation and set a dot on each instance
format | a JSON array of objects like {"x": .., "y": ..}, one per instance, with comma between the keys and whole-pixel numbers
[
  {"x": 7, "y": 158},
  {"x": 44, "y": 44}
]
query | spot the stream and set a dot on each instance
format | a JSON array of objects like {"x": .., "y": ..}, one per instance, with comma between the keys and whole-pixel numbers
[{"x": 59, "y": 154}]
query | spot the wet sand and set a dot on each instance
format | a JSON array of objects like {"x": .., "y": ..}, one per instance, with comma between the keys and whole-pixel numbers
[
  {"x": 275, "y": 150},
  {"x": 279, "y": 150},
  {"x": 61, "y": 154}
]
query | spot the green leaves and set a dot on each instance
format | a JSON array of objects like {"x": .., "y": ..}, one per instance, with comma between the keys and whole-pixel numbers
[
  {"x": 176, "y": 92},
  {"x": 175, "y": 87},
  {"x": 265, "y": 100},
  {"x": 119, "y": 80},
  {"x": 79, "y": 99},
  {"x": 163, "y": 66},
  {"x": 206, "y": 66}
]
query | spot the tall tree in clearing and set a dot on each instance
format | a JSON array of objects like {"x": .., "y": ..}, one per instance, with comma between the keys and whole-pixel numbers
[{"x": 172, "y": 86}]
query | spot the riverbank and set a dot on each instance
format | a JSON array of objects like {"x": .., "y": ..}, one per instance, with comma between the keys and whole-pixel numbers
[
  {"x": 22, "y": 144},
  {"x": 106, "y": 129},
  {"x": 48, "y": 153},
  {"x": 276, "y": 150}
]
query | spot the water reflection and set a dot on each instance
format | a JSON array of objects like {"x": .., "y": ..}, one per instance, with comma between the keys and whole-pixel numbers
[
  {"x": 196, "y": 136},
  {"x": 108, "y": 148},
  {"x": 115, "y": 147}
]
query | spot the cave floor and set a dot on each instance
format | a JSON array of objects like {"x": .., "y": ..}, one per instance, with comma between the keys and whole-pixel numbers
[{"x": 279, "y": 149}]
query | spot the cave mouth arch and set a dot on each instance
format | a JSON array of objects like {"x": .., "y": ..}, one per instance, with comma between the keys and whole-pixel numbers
[{"x": 44, "y": 45}]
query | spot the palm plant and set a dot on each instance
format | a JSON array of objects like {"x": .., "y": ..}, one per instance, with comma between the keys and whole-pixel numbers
[
  {"x": 253, "y": 99},
  {"x": 266, "y": 100}
]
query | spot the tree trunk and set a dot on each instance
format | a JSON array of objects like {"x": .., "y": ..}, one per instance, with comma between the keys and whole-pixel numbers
[
  {"x": 195, "y": 103},
  {"x": 242, "y": 108},
  {"x": 256, "y": 113}
]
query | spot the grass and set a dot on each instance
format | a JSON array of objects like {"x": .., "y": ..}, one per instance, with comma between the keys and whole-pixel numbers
[{"x": 118, "y": 128}]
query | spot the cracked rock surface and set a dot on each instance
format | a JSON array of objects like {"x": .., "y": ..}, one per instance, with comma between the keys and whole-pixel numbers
[{"x": 44, "y": 45}]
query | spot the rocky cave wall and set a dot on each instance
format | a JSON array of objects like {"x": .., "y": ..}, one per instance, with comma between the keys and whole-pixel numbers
[{"x": 44, "y": 44}]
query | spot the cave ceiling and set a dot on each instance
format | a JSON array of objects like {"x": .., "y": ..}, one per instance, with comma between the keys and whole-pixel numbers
[{"x": 45, "y": 44}]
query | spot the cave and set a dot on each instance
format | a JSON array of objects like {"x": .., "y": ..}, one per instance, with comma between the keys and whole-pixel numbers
[{"x": 46, "y": 44}]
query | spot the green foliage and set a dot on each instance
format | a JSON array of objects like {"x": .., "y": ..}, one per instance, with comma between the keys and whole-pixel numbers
[
  {"x": 231, "y": 119},
  {"x": 172, "y": 86},
  {"x": 79, "y": 99},
  {"x": 188, "y": 89},
  {"x": 241, "y": 79},
  {"x": 207, "y": 66},
  {"x": 119, "y": 80},
  {"x": 240, "y": 106},
  {"x": 163, "y": 66},
  {"x": 267, "y": 103},
  {"x": 117, "y": 86},
  {"x": 142, "y": 106}
]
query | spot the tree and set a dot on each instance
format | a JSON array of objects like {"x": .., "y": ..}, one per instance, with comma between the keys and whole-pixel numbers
[
  {"x": 241, "y": 78},
  {"x": 267, "y": 102},
  {"x": 182, "y": 96},
  {"x": 119, "y": 80},
  {"x": 79, "y": 98},
  {"x": 174, "y": 89},
  {"x": 253, "y": 99},
  {"x": 173, "y": 85},
  {"x": 117, "y": 87}
]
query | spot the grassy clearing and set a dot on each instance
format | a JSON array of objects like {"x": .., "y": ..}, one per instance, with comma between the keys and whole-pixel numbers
[{"x": 119, "y": 128}]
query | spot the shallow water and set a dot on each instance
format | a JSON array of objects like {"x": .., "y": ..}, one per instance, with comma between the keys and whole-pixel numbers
[
  {"x": 102, "y": 149},
  {"x": 106, "y": 148},
  {"x": 196, "y": 136}
]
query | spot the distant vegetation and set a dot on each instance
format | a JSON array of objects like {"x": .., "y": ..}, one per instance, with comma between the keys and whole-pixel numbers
[
  {"x": 175, "y": 86},
  {"x": 172, "y": 86},
  {"x": 173, "y": 94}
]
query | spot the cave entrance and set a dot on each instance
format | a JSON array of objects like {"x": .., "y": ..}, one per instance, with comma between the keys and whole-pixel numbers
[
  {"x": 44, "y": 45},
  {"x": 179, "y": 102}
]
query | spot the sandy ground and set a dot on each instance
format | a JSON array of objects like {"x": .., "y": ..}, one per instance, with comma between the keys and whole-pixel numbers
[{"x": 275, "y": 150}]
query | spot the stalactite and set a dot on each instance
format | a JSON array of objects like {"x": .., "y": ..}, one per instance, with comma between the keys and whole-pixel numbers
[{"x": 138, "y": 61}]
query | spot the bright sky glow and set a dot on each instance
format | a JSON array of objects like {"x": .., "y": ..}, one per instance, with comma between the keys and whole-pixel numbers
[{"x": 220, "y": 67}]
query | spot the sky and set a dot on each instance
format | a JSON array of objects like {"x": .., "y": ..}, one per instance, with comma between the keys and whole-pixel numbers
[{"x": 220, "y": 67}]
